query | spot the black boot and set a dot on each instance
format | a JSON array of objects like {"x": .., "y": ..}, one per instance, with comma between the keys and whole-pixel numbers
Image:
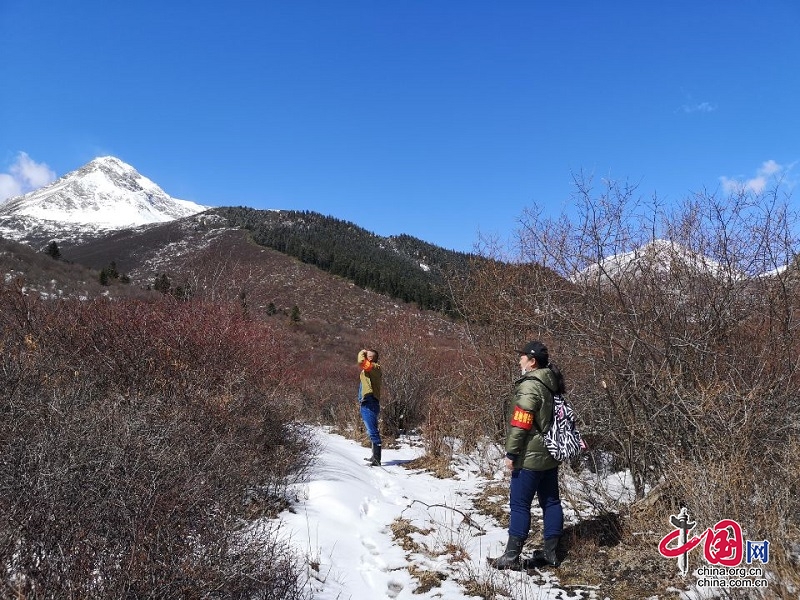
[
  {"x": 375, "y": 461},
  {"x": 511, "y": 558},
  {"x": 548, "y": 554}
]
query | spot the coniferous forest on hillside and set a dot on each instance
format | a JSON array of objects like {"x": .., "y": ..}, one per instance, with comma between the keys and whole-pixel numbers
[{"x": 402, "y": 267}]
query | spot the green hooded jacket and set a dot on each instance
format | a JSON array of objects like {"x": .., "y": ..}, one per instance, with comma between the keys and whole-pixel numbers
[{"x": 531, "y": 413}]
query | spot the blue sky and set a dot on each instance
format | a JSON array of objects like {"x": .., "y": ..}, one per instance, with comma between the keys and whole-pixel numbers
[{"x": 439, "y": 119}]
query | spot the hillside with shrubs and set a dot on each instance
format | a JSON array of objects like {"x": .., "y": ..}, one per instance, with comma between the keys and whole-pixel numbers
[{"x": 144, "y": 432}]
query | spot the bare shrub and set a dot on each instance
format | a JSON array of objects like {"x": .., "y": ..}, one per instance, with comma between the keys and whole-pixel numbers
[
  {"x": 330, "y": 390},
  {"x": 137, "y": 440},
  {"x": 414, "y": 366}
]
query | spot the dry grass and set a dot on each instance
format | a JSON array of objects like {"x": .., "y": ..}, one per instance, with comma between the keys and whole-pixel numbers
[
  {"x": 403, "y": 531},
  {"x": 456, "y": 553},
  {"x": 493, "y": 502},
  {"x": 616, "y": 559},
  {"x": 438, "y": 466},
  {"x": 426, "y": 579},
  {"x": 481, "y": 587}
]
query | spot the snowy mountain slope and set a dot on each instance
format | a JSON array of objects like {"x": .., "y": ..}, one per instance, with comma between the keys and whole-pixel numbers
[
  {"x": 104, "y": 195},
  {"x": 658, "y": 255},
  {"x": 661, "y": 257}
]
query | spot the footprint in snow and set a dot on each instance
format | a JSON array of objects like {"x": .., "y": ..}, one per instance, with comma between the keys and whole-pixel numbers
[
  {"x": 395, "y": 587},
  {"x": 371, "y": 546}
]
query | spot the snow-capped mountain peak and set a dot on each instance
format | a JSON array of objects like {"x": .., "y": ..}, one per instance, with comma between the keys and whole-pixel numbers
[
  {"x": 106, "y": 193},
  {"x": 659, "y": 255}
]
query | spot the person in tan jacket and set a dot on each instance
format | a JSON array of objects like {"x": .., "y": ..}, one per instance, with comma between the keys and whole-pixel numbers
[{"x": 369, "y": 393}]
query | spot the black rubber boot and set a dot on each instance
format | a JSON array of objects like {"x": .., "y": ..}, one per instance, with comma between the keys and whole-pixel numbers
[
  {"x": 548, "y": 554},
  {"x": 376, "y": 455},
  {"x": 511, "y": 558}
]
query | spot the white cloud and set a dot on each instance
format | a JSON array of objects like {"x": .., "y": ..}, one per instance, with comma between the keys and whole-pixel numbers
[
  {"x": 23, "y": 176},
  {"x": 769, "y": 171},
  {"x": 770, "y": 167},
  {"x": 705, "y": 107},
  {"x": 9, "y": 187}
]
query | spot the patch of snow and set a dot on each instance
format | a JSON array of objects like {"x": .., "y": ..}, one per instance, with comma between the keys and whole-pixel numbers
[{"x": 774, "y": 272}]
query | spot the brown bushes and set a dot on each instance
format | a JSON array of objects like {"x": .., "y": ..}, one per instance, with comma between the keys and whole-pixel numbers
[{"x": 136, "y": 439}]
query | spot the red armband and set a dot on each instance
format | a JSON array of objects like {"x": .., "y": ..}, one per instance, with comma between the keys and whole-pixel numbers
[{"x": 522, "y": 418}]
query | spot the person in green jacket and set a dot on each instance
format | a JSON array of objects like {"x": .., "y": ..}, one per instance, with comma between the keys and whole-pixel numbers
[{"x": 533, "y": 470}]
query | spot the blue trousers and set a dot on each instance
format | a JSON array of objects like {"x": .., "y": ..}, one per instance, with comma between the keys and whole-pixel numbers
[
  {"x": 544, "y": 484},
  {"x": 369, "y": 413}
]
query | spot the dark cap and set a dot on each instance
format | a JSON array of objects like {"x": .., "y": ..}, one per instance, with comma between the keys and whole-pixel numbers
[{"x": 538, "y": 351}]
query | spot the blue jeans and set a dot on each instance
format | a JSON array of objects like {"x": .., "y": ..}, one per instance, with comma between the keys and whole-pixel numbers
[
  {"x": 369, "y": 413},
  {"x": 544, "y": 484}
]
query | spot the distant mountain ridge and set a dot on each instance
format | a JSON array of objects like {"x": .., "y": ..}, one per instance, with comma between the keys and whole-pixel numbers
[{"x": 107, "y": 212}]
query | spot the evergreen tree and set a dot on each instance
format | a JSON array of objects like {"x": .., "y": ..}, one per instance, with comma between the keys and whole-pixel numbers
[
  {"x": 183, "y": 292},
  {"x": 110, "y": 273},
  {"x": 162, "y": 284},
  {"x": 113, "y": 273},
  {"x": 53, "y": 251}
]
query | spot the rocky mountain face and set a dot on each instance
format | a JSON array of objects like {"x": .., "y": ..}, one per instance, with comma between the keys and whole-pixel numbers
[{"x": 104, "y": 195}]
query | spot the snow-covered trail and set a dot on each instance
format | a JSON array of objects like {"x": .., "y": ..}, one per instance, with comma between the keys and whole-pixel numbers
[
  {"x": 342, "y": 525},
  {"x": 343, "y": 522}
]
